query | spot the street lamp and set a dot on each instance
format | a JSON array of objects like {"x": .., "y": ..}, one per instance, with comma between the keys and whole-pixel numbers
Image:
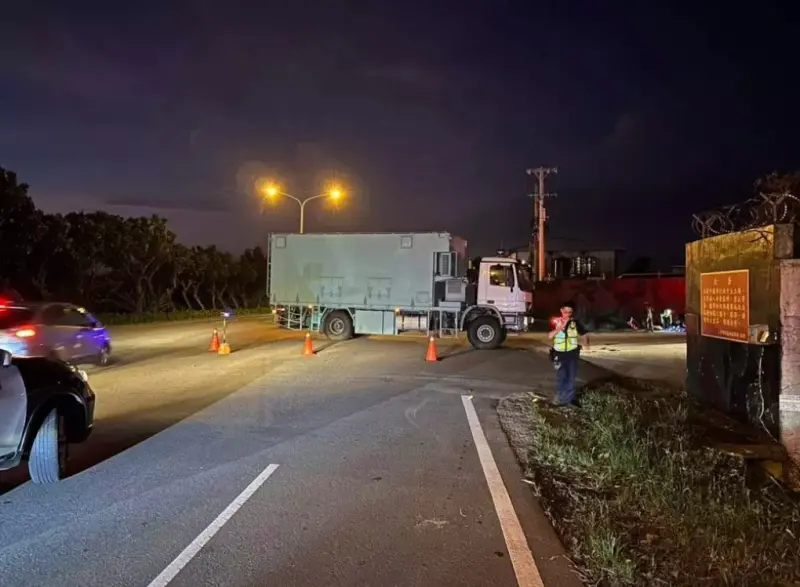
[{"x": 272, "y": 190}]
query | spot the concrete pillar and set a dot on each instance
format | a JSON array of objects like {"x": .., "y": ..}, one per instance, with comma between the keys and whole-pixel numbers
[{"x": 789, "y": 400}]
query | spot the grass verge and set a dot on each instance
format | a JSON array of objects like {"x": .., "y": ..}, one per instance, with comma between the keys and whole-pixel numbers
[
  {"x": 152, "y": 317},
  {"x": 639, "y": 500}
]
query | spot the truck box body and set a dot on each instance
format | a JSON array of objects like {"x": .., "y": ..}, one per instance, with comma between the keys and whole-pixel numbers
[{"x": 380, "y": 271}]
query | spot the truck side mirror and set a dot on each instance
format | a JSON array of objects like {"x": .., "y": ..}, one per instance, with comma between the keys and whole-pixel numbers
[{"x": 5, "y": 358}]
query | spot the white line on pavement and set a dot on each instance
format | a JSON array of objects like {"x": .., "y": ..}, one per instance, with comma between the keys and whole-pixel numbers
[
  {"x": 518, "y": 550},
  {"x": 185, "y": 557}
]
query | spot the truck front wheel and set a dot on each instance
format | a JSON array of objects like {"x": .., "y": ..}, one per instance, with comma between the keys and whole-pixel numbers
[
  {"x": 485, "y": 333},
  {"x": 339, "y": 325}
]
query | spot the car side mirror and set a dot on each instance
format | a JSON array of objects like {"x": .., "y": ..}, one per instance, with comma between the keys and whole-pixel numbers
[{"x": 5, "y": 357}]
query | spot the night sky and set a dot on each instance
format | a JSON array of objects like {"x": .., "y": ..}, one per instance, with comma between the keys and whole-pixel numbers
[{"x": 427, "y": 112}]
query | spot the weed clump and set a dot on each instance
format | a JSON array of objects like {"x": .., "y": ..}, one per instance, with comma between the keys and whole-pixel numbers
[{"x": 638, "y": 499}]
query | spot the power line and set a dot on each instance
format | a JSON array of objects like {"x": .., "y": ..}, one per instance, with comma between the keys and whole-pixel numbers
[{"x": 539, "y": 218}]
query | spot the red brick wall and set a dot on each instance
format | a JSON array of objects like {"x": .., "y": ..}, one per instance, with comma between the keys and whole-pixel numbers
[{"x": 618, "y": 299}]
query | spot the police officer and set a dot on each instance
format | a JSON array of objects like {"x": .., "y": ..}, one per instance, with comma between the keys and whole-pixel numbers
[
  {"x": 568, "y": 337},
  {"x": 648, "y": 317},
  {"x": 666, "y": 319}
]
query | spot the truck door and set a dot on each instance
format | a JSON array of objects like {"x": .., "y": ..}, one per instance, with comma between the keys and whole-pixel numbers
[
  {"x": 496, "y": 287},
  {"x": 13, "y": 409}
]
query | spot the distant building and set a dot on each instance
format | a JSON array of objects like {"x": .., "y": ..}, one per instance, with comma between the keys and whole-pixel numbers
[
  {"x": 673, "y": 271},
  {"x": 574, "y": 263},
  {"x": 584, "y": 264}
]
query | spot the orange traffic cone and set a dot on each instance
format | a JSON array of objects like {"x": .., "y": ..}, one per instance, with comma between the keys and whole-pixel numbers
[
  {"x": 214, "y": 346},
  {"x": 308, "y": 347},
  {"x": 431, "y": 356}
]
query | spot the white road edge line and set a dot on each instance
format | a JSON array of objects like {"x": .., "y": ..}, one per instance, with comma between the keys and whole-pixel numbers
[
  {"x": 525, "y": 568},
  {"x": 185, "y": 557}
]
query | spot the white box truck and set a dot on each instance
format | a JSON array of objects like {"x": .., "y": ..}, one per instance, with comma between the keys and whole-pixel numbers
[{"x": 387, "y": 283}]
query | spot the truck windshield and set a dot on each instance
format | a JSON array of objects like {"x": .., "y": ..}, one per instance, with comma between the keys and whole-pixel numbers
[{"x": 523, "y": 278}]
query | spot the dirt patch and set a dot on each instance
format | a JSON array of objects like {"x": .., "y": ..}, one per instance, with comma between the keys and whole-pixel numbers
[{"x": 639, "y": 498}]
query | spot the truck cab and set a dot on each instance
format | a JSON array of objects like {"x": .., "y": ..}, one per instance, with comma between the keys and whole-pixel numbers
[
  {"x": 497, "y": 299},
  {"x": 504, "y": 284}
]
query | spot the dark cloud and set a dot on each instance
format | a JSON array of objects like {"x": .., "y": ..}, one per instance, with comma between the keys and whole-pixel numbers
[
  {"x": 429, "y": 115},
  {"x": 219, "y": 203},
  {"x": 74, "y": 66},
  {"x": 410, "y": 75}
]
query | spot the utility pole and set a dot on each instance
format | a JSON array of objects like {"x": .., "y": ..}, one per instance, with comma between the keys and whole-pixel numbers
[{"x": 539, "y": 217}]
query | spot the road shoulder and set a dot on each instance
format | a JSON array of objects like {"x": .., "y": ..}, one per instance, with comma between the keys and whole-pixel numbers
[{"x": 554, "y": 565}]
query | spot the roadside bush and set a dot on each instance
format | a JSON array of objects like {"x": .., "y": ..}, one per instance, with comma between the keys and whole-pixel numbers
[{"x": 639, "y": 498}]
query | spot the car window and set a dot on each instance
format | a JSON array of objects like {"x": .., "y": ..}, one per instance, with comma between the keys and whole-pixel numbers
[
  {"x": 91, "y": 318},
  {"x": 14, "y": 317},
  {"x": 72, "y": 317},
  {"x": 53, "y": 314}
]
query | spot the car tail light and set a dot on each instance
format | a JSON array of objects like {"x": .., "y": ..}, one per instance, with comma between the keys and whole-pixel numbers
[{"x": 25, "y": 332}]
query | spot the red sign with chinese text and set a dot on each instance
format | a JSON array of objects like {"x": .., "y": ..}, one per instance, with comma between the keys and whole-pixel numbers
[{"x": 725, "y": 305}]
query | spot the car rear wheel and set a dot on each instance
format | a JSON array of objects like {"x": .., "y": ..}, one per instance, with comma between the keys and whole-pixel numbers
[
  {"x": 103, "y": 356},
  {"x": 48, "y": 459}
]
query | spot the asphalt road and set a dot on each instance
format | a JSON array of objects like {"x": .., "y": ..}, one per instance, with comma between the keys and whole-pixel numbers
[
  {"x": 163, "y": 373},
  {"x": 358, "y": 466},
  {"x": 656, "y": 356},
  {"x": 613, "y": 338}
]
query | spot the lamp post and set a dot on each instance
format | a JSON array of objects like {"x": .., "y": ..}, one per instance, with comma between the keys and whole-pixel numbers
[{"x": 271, "y": 190}]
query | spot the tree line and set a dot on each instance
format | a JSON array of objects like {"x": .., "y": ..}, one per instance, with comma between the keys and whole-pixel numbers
[{"x": 114, "y": 264}]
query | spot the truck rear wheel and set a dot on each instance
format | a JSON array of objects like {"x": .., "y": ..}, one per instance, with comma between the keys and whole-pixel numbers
[
  {"x": 339, "y": 325},
  {"x": 485, "y": 333}
]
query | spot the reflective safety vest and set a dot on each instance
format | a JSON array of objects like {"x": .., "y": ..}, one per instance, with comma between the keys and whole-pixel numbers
[{"x": 567, "y": 338}]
